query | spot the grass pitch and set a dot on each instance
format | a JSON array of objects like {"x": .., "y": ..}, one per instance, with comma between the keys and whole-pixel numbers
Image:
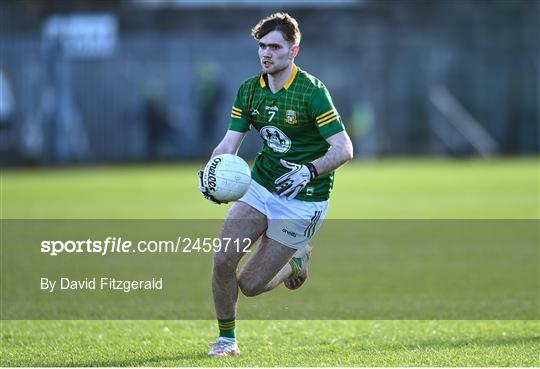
[
  {"x": 272, "y": 343},
  {"x": 506, "y": 189},
  {"x": 409, "y": 189}
]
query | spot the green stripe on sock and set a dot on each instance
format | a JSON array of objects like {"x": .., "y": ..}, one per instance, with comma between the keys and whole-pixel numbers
[
  {"x": 226, "y": 328},
  {"x": 296, "y": 265}
]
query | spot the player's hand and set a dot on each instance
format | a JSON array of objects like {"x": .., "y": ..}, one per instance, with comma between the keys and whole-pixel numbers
[
  {"x": 205, "y": 191},
  {"x": 292, "y": 182}
]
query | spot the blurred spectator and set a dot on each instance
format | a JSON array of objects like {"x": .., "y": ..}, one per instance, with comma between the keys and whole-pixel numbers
[
  {"x": 8, "y": 145},
  {"x": 7, "y": 102},
  {"x": 158, "y": 127},
  {"x": 209, "y": 94},
  {"x": 363, "y": 129}
]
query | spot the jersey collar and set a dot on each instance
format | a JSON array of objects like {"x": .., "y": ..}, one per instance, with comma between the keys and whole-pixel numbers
[{"x": 287, "y": 84}]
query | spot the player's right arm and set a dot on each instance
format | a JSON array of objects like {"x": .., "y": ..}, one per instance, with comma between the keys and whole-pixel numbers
[
  {"x": 238, "y": 125},
  {"x": 230, "y": 143}
]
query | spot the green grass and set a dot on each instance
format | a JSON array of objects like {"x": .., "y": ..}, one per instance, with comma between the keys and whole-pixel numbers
[
  {"x": 272, "y": 343},
  {"x": 363, "y": 190},
  {"x": 402, "y": 189}
]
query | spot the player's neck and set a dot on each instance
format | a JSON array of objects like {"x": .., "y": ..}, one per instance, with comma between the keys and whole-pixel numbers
[{"x": 276, "y": 81}]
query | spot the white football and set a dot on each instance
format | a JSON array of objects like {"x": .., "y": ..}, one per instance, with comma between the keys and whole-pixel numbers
[{"x": 227, "y": 177}]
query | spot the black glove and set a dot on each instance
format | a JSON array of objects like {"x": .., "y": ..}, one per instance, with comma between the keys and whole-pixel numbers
[{"x": 205, "y": 191}]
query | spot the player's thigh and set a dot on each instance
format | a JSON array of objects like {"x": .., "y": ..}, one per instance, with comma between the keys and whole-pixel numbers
[
  {"x": 243, "y": 226},
  {"x": 244, "y": 221},
  {"x": 294, "y": 223},
  {"x": 266, "y": 262}
]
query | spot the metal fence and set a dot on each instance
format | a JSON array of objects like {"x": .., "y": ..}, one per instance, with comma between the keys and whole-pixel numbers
[{"x": 409, "y": 78}]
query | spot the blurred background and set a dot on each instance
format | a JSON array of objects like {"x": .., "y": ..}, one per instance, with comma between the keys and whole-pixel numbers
[{"x": 153, "y": 80}]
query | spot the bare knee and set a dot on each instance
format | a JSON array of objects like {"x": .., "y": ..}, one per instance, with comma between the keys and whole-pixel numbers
[
  {"x": 225, "y": 263},
  {"x": 249, "y": 287}
]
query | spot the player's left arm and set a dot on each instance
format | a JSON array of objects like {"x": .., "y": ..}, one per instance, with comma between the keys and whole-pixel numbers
[
  {"x": 340, "y": 152},
  {"x": 292, "y": 182},
  {"x": 330, "y": 126},
  {"x": 299, "y": 175}
]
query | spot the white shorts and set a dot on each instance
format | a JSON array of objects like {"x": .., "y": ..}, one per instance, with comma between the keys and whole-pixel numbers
[{"x": 290, "y": 222}]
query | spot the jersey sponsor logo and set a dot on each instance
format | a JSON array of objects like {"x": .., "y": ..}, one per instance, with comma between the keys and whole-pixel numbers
[
  {"x": 275, "y": 139},
  {"x": 290, "y": 233},
  {"x": 290, "y": 117}
]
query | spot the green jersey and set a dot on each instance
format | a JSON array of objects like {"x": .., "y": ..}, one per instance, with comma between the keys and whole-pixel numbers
[{"x": 293, "y": 123}]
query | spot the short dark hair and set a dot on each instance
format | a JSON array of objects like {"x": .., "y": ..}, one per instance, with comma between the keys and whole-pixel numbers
[{"x": 282, "y": 22}]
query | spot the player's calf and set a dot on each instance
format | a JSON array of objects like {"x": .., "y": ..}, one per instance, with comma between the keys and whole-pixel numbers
[{"x": 260, "y": 270}]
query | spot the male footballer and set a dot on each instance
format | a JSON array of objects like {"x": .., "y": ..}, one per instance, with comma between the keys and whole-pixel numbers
[{"x": 304, "y": 141}]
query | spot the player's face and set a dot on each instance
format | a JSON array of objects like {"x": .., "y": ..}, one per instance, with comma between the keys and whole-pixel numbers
[{"x": 275, "y": 53}]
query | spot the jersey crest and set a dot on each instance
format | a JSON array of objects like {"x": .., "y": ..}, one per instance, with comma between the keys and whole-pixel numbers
[
  {"x": 290, "y": 117},
  {"x": 275, "y": 139}
]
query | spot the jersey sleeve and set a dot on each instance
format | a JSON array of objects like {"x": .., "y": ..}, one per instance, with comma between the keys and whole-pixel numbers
[
  {"x": 239, "y": 113},
  {"x": 326, "y": 116}
]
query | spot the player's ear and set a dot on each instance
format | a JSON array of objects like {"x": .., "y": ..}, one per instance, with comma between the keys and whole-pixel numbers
[{"x": 294, "y": 51}]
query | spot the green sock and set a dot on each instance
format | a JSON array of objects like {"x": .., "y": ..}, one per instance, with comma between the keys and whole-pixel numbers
[
  {"x": 226, "y": 328},
  {"x": 296, "y": 265}
]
